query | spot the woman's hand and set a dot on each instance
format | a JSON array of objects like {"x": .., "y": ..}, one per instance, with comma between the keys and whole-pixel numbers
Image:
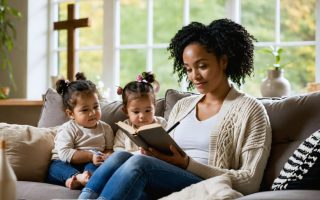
[{"x": 177, "y": 159}]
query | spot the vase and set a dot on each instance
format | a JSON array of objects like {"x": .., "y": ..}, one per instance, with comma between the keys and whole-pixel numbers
[
  {"x": 4, "y": 92},
  {"x": 275, "y": 85},
  {"x": 8, "y": 179}
]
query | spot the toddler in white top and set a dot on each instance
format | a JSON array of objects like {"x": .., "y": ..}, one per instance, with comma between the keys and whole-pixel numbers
[
  {"x": 138, "y": 99},
  {"x": 82, "y": 143}
]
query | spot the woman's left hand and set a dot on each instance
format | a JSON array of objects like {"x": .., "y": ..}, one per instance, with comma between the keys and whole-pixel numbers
[{"x": 176, "y": 158}]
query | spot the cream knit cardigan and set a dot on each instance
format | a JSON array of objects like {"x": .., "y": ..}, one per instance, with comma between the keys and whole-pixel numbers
[{"x": 241, "y": 146}]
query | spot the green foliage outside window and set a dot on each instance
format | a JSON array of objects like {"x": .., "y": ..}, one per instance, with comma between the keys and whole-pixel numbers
[
  {"x": 298, "y": 23},
  {"x": 7, "y": 37}
]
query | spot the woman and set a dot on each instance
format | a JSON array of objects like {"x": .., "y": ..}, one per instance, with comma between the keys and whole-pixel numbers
[{"x": 222, "y": 131}]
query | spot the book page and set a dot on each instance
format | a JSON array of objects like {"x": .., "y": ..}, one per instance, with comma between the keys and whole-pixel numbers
[
  {"x": 134, "y": 137},
  {"x": 126, "y": 127},
  {"x": 149, "y": 126}
]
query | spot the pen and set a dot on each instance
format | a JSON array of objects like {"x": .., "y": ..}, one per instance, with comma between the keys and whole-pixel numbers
[
  {"x": 173, "y": 127},
  {"x": 96, "y": 152}
]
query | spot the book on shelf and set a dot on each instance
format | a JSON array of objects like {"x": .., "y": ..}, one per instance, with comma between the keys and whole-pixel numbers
[{"x": 151, "y": 135}]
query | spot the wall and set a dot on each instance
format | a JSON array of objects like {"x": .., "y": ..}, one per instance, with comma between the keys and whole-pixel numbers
[
  {"x": 19, "y": 54},
  {"x": 37, "y": 48},
  {"x": 30, "y": 53},
  {"x": 29, "y": 59}
]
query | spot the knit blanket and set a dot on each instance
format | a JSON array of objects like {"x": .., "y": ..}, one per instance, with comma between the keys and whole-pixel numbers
[{"x": 216, "y": 188}]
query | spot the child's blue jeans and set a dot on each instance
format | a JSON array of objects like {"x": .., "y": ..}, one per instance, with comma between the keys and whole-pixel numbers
[
  {"x": 126, "y": 176},
  {"x": 60, "y": 171}
]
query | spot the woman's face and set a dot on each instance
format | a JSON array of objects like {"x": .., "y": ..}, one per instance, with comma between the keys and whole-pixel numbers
[{"x": 204, "y": 70}]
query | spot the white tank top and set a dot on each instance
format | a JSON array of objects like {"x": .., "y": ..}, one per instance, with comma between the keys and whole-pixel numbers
[{"x": 193, "y": 136}]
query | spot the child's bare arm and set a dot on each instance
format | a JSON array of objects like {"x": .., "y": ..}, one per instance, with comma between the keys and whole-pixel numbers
[{"x": 80, "y": 157}]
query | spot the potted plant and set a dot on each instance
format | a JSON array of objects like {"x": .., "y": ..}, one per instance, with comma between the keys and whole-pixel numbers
[
  {"x": 276, "y": 54},
  {"x": 275, "y": 85},
  {"x": 7, "y": 36}
]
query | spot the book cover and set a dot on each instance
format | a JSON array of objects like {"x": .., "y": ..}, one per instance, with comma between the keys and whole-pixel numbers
[{"x": 151, "y": 135}]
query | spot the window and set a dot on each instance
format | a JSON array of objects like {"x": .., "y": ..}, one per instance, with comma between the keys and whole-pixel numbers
[
  {"x": 131, "y": 36},
  {"x": 290, "y": 25},
  {"x": 146, "y": 27},
  {"x": 88, "y": 41}
]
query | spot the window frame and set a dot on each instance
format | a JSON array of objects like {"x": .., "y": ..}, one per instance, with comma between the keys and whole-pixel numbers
[{"x": 111, "y": 39}]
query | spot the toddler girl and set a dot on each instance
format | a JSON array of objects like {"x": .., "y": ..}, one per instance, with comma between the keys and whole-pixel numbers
[
  {"x": 138, "y": 98},
  {"x": 82, "y": 143}
]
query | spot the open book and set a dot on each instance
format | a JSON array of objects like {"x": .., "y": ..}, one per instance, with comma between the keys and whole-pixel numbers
[{"x": 151, "y": 135}]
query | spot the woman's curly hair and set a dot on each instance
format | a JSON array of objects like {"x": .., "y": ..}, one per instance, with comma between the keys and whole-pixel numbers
[{"x": 221, "y": 37}]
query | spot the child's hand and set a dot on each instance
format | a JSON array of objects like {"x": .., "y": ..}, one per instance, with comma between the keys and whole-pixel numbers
[
  {"x": 97, "y": 159},
  {"x": 106, "y": 155}
]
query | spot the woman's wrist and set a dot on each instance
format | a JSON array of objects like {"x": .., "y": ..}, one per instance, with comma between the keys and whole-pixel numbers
[{"x": 186, "y": 162}]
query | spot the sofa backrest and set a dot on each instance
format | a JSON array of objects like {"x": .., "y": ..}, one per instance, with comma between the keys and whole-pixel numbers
[
  {"x": 292, "y": 119},
  {"x": 112, "y": 112},
  {"x": 52, "y": 113}
]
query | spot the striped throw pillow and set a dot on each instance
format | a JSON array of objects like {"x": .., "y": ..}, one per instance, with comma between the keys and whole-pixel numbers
[{"x": 302, "y": 170}]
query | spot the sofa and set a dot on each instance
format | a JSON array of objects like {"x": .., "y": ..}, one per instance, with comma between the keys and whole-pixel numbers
[{"x": 292, "y": 119}]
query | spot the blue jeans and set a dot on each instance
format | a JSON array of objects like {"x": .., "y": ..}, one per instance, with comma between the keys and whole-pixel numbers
[
  {"x": 126, "y": 176},
  {"x": 60, "y": 171}
]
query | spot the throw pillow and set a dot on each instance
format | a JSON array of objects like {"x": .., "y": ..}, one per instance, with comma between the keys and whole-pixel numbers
[
  {"x": 302, "y": 170},
  {"x": 171, "y": 98},
  {"x": 111, "y": 112},
  {"x": 28, "y": 150},
  {"x": 52, "y": 113}
]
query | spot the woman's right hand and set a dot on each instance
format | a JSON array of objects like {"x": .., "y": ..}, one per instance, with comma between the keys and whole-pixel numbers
[{"x": 177, "y": 159}]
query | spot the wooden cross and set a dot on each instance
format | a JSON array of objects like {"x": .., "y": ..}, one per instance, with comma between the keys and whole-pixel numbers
[{"x": 70, "y": 25}]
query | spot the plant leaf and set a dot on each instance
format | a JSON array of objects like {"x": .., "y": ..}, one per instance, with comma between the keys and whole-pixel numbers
[{"x": 266, "y": 51}]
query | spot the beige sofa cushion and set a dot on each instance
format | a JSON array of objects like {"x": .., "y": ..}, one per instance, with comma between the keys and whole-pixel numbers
[
  {"x": 171, "y": 98},
  {"x": 292, "y": 120},
  {"x": 52, "y": 113},
  {"x": 28, "y": 150}
]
